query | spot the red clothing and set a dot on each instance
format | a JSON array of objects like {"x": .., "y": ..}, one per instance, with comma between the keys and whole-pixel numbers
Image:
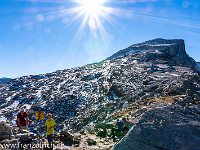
[{"x": 22, "y": 118}]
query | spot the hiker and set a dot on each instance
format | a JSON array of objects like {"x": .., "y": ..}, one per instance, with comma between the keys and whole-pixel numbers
[
  {"x": 119, "y": 125},
  {"x": 49, "y": 128},
  {"x": 32, "y": 127},
  {"x": 127, "y": 124},
  {"x": 22, "y": 118},
  {"x": 119, "y": 128}
]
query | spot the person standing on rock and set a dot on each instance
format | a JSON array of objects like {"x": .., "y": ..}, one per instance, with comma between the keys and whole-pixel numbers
[
  {"x": 49, "y": 128},
  {"x": 22, "y": 118}
]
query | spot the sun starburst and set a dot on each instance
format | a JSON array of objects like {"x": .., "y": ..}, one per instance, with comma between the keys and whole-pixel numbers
[
  {"x": 93, "y": 11},
  {"x": 92, "y": 6}
]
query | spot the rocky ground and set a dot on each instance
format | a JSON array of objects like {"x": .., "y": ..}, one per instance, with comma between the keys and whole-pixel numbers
[
  {"x": 170, "y": 122},
  {"x": 153, "y": 78}
]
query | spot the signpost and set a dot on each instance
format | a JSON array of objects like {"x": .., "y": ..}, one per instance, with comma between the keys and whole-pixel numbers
[{"x": 39, "y": 115}]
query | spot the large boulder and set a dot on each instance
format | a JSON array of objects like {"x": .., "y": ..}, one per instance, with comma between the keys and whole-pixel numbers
[
  {"x": 5, "y": 131},
  {"x": 164, "y": 126},
  {"x": 16, "y": 136},
  {"x": 67, "y": 136}
]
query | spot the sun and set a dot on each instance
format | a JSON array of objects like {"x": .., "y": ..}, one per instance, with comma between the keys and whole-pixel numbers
[
  {"x": 93, "y": 11},
  {"x": 92, "y": 6},
  {"x": 90, "y": 14}
]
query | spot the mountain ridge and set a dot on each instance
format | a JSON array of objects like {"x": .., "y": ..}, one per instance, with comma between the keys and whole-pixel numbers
[
  {"x": 151, "y": 56},
  {"x": 90, "y": 94}
]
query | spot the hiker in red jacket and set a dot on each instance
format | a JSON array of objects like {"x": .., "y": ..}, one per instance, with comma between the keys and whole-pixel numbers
[{"x": 22, "y": 118}]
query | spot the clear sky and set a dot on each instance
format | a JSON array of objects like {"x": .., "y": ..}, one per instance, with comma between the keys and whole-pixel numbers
[{"x": 42, "y": 36}]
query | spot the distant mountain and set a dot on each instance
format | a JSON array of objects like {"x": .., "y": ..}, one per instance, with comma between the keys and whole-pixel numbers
[
  {"x": 3, "y": 80},
  {"x": 156, "y": 79}
]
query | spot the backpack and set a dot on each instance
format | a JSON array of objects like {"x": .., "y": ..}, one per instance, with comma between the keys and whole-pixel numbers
[{"x": 128, "y": 122}]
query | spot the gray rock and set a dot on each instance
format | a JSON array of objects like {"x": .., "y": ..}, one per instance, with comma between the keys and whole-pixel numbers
[
  {"x": 91, "y": 142},
  {"x": 163, "y": 126},
  {"x": 2, "y": 137},
  {"x": 5, "y": 131},
  {"x": 196, "y": 98},
  {"x": 67, "y": 136}
]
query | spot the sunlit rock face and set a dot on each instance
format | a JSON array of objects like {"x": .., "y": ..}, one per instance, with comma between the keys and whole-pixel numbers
[{"x": 89, "y": 93}]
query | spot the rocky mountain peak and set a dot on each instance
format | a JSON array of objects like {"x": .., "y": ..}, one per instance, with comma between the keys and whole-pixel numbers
[{"x": 174, "y": 48}]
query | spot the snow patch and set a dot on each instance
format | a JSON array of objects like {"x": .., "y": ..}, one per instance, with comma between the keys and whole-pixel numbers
[
  {"x": 125, "y": 104},
  {"x": 26, "y": 106},
  {"x": 3, "y": 119},
  {"x": 134, "y": 51},
  {"x": 135, "y": 61},
  {"x": 38, "y": 94},
  {"x": 11, "y": 107},
  {"x": 176, "y": 75},
  {"x": 160, "y": 44},
  {"x": 8, "y": 99}
]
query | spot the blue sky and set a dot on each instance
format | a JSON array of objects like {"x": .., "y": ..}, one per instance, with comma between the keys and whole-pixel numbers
[{"x": 41, "y": 36}]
